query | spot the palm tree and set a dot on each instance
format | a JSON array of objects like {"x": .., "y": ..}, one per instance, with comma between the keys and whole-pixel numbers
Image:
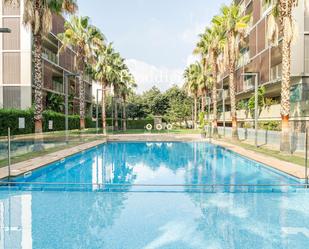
[
  {"x": 103, "y": 72},
  {"x": 234, "y": 25},
  {"x": 126, "y": 89},
  {"x": 117, "y": 67},
  {"x": 38, "y": 15},
  {"x": 210, "y": 45},
  {"x": 283, "y": 11},
  {"x": 194, "y": 77},
  {"x": 85, "y": 38}
]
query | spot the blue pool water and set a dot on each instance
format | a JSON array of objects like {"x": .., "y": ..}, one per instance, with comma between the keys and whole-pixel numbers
[
  {"x": 96, "y": 220},
  {"x": 157, "y": 163},
  {"x": 153, "y": 217}
]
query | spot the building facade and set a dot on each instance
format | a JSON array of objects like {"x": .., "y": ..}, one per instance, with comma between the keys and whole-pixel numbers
[
  {"x": 258, "y": 55},
  {"x": 16, "y": 64}
]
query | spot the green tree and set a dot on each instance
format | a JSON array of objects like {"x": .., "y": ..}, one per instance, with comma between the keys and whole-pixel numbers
[
  {"x": 125, "y": 90},
  {"x": 103, "y": 72},
  {"x": 194, "y": 77},
  {"x": 234, "y": 23},
  {"x": 209, "y": 47},
  {"x": 85, "y": 38},
  {"x": 282, "y": 10}
]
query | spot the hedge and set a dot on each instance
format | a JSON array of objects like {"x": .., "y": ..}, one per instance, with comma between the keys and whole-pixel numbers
[
  {"x": 139, "y": 124},
  {"x": 59, "y": 121},
  {"x": 9, "y": 118},
  {"x": 131, "y": 124}
]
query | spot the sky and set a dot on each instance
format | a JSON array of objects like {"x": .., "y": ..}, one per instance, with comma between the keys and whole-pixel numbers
[{"x": 156, "y": 37}]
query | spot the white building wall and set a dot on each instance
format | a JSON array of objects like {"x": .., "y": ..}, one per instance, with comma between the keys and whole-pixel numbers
[
  {"x": 297, "y": 50},
  {"x": 25, "y": 57}
]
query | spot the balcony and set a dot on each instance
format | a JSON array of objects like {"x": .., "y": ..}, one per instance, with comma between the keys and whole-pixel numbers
[
  {"x": 276, "y": 72},
  {"x": 244, "y": 58},
  {"x": 226, "y": 94},
  {"x": 248, "y": 84},
  {"x": 49, "y": 55},
  {"x": 57, "y": 86}
]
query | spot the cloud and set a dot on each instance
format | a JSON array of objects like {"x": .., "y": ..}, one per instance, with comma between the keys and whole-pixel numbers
[
  {"x": 191, "y": 34},
  {"x": 192, "y": 59},
  {"x": 147, "y": 75}
]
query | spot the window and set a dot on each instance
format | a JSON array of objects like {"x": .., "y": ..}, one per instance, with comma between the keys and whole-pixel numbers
[
  {"x": 9, "y": 11},
  {"x": 306, "y": 15},
  {"x": 11, "y": 97},
  {"x": 11, "y": 68},
  {"x": 11, "y": 41},
  {"x": 307, "y": 54}
]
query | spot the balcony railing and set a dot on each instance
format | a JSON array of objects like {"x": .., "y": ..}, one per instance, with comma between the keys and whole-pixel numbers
[
  {"x": 58, "y": 86},
  {"x": 248, "y": 84},
  {"x": 276, "y": 72},
  {"x": 244, "y": 58},
  {"x": 226, "y": 95},
  {"x": 49, "y": 55}
]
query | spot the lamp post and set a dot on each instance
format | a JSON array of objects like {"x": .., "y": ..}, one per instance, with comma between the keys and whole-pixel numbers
[
  {"x": 66, "y": 101},
  {"x": 256, "y": 103},
  {"x": 208, "y": 102},
  {"x": 223, "y": 108},
  {"x": 97, "y": 110}
]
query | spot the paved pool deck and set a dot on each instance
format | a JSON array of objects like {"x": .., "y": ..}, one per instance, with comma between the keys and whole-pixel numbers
[
  {"x": 32, "y": 164},
  {"x": 38, "y": 162}
]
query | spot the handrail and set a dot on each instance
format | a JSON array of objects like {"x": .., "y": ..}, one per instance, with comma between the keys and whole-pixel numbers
[{"x": 155, "y": 185}]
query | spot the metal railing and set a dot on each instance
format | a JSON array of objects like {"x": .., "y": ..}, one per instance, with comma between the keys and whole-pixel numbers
[
  {"x": 15, "y": 149},
  {"x": 199, "y": 188}
]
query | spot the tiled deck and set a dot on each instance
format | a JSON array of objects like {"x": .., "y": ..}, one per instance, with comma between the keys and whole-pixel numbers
[
  {"x": 31, "y": 164},
  {"x": 287, "y": 167}
]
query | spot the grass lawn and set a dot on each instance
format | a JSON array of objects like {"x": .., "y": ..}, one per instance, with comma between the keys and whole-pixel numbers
[{"x": 273, "y": 153}]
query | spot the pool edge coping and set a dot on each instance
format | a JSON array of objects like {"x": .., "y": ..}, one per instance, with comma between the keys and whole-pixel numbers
[
  {"x": 23, "y": 167},
  {"x": 276, "y": 164}
]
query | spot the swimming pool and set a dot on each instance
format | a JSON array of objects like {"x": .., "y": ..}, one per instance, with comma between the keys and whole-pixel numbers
[
  {"x": 93, "y": 220},
  {"x": 156, "y": 166},
  {"x": 153, "y": 196}
]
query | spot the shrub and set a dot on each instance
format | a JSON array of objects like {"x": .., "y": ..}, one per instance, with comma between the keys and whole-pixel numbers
[
  {"x": 9, "y": 118},
  {"x": 139, "y": 124},
  {"x": 59, "y": 121},
  {"x": 270, "y": 125}
]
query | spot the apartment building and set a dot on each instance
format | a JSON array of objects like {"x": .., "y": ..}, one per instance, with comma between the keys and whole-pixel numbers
[
  {"x": 259, "y": 56},
  {"x": 16, "y": 64}
]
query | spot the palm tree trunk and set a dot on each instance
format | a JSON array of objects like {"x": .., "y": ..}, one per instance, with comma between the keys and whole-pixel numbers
[
  {"x": 116, "y": 115},
  {"x": 285, "y": 145},
  {"x": 81, "y": 101},
  {"x": 124, "y": 115},
  {"x": 195, "y": 112},
  {"x": 214, "y": 96},
  {"x": 38, "y": 83},
  {"x": 232, "y": 63},
  {"x": 203, "y": 102},
  {"x": 103, "y": 109}
]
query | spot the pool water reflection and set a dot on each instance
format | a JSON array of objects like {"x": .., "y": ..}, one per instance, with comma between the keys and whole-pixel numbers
[
  {"x": 157, "y": 163},
  {"x": 64, "y": 220}
]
